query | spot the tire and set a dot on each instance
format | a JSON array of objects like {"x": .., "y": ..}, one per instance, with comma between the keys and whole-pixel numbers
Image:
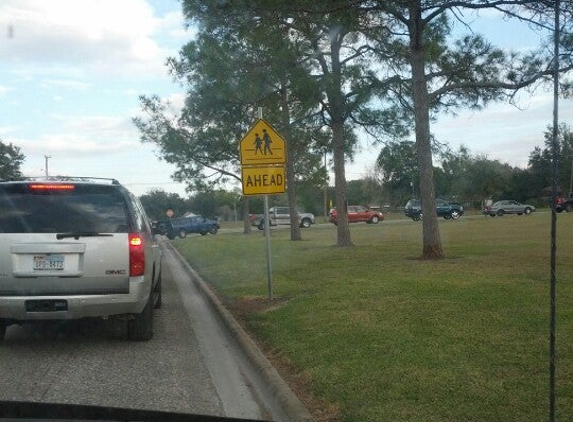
[
  {"x": 213, "y": 230},
  {"x": 374, "y": 219},
  {"x": 305, "y": 223},
  {"x": 492, "y": 215},
  {"x": 141, "y": 327},
  {"x": 528, "y": 211},
  {"x": 447, "y": 216},
  {"x": 204, "y": 233},
  {"x": 261, "y": 225},
  {"x": 455, "y": 215},
  {"x": 3, "y": 326},
  {"x": 157, "y": 291},
  {"x": 182, "y": 234},
  {"x": 500, "y": 213},
  {"x": 569, "y": 207}
]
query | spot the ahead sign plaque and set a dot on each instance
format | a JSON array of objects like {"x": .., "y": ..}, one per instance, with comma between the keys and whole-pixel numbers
[{"x": 262, "y": 180}]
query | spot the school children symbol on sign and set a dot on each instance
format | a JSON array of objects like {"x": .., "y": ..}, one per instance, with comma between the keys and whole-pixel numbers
[{"x": 262, "y": 145}]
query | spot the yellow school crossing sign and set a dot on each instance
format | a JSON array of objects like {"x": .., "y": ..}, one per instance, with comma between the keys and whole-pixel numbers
[
  {"x": 263, "y": 156},
  {"x": 262, "y": 145}
]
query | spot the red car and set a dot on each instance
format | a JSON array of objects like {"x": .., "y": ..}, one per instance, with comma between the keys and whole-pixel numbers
[{"x": 358, "y": 214}]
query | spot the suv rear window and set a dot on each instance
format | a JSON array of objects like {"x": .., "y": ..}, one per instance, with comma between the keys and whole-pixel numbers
[{"x": 86, "y": 208}]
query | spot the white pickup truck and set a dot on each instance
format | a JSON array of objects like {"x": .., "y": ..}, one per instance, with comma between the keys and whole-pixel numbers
[{"x": 281, "y": 216}]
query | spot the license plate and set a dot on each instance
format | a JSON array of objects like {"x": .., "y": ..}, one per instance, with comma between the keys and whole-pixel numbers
[{"x": 49, "y": 262}]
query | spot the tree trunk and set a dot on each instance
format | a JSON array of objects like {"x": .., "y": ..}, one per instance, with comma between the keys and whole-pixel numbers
[
  {"x": 246, "y": 221},
  {"x": 343, "y": 230},
  {"x": 336, "y": 102},
  {"x": 290, "y": 176},
  {"x": 431, "y": 233}
]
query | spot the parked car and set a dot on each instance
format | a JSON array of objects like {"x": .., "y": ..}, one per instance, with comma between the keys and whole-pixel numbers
[
  {"x": 564, "y": 204},
  {"x": 74, "y": 248},
  {"x": 281, "y": 216},
  {"x": 182, "y": 226},
  {"x": 508, "y": 206},
  {"x": 358, "y": 214},
  {"x": 445, "y": 209}
]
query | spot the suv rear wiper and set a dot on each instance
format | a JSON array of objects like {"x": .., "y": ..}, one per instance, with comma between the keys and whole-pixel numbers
[{"x": 77, "y": 235}]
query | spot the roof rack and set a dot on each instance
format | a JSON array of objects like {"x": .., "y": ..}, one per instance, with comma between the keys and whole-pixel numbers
[{"x": 65, "y": 179}]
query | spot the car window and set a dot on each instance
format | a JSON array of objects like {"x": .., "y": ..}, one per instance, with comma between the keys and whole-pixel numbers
[{"x": 85, "y": 208}]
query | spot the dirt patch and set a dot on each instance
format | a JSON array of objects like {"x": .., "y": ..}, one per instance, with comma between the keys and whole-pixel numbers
[{"x": 300, "y": 383}]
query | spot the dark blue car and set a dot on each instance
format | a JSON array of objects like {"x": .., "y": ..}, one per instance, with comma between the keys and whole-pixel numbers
[{"x": 181, "y": 226}]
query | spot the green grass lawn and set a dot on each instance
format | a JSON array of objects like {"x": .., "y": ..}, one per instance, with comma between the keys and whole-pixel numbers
[{"x": 389, "y": 337}]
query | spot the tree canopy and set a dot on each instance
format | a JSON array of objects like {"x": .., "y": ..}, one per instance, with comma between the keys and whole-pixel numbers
[
  {"x": 325, "y": 70},
  {"x": 11, "y": 159}
]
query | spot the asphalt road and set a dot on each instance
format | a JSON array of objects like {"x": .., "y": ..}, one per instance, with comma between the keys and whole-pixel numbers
[{"x": 189, "y": 365}]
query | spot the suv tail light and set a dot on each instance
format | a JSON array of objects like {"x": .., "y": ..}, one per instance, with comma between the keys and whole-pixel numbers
[
  {"x": 136, "y": 255},
  {"x": 51, "y": 187}
]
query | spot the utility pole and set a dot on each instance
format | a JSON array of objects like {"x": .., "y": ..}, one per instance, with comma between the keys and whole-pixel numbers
[{"x": 47, "y": 157}]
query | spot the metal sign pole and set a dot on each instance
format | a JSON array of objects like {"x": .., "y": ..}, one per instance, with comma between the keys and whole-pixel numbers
[
  {"x": 267, "y": 235},
  {"x": 268, "y": 247},
  {"x": 553, "y": 278}
]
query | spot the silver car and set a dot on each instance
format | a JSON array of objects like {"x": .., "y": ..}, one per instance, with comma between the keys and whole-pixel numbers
[
  {"x": 508, "y": 206},
  {"x": 74, "y": 248}
]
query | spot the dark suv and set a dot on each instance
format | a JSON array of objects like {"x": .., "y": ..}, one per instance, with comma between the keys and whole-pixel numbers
[
  {"x": 72, "y": 248},
  {"x": 446, "y": 209}
]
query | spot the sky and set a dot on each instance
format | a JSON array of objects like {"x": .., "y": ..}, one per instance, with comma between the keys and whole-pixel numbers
[{"x": 71, "y": 73}]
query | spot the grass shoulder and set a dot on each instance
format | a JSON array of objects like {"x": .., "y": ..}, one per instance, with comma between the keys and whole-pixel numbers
[{"x": 385, "y": 336}]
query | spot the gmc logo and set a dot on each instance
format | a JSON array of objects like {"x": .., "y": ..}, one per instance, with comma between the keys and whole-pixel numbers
[{"x": 115, "y": 272}]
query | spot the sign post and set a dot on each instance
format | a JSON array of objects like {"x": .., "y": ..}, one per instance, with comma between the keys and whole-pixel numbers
[{"x": 263, "y": 159}]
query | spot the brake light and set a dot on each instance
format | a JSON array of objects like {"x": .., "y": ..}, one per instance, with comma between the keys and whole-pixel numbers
[
  {"x": 51, "y": 186},
  {"x": 136, "y": 255}
]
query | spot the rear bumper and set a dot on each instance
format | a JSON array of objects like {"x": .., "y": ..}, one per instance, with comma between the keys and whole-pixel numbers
[{"x": 79, "y": 306}]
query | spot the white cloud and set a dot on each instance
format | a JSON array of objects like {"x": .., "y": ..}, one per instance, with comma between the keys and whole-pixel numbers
[
  {"x": 83, "y": 136},
  {"x": 105, "y": 34},
  {"x": 5, "y": 89},
  {"x": 6, "y": 130}
]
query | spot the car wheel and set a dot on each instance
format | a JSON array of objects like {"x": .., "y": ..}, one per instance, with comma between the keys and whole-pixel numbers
[
  {"x": 447, "y": 216},
  {"x": 157, "y": 291},
  {"x": 182, "y": 234},
  {"x": 527, "y": 211},
  {"x": 455, "y": 215},
  {"x": 204, "y": 233},
  {"x": 2, "y": 329},
  {"x": 500, "y": 213},
  {"x": 261, "y": 225},
  {"x": 305, "y": 223},
  {"x": 374, "y": 220},
  {"x": 213, "y": 230},
  {"x": 141, "y": 327},
  {"x": 492, "y": 215},
  {"x": 569, "y": 208}
]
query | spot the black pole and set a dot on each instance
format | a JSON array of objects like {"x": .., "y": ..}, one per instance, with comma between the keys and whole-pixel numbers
[{"x": 553, "y": 280}]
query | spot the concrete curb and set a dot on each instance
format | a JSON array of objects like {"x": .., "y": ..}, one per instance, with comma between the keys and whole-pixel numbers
[{"x": 288, "y": 403}]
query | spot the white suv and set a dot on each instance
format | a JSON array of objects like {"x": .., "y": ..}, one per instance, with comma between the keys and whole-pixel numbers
[{"x": 72, "y": 248}]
